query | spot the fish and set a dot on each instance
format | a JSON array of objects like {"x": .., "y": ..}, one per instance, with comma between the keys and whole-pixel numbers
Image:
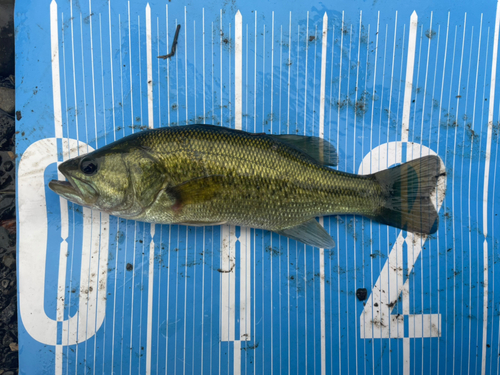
[{"x": 212, "y": 175}]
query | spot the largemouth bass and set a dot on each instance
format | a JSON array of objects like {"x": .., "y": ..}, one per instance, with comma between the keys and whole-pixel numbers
[{"x": 210, "y": 175}]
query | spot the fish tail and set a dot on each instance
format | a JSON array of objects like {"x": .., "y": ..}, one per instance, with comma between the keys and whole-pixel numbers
[{"x": 406, "y": 195}]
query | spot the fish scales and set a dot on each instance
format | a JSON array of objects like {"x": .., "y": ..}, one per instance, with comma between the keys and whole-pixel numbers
[{"x": 265, "y": 183}]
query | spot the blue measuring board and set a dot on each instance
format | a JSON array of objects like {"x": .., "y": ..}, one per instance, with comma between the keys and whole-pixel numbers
[{"x": 385, "y": 82}]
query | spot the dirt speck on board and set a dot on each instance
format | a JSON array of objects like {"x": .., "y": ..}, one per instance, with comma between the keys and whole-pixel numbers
[{"x": 430, "y": 34}]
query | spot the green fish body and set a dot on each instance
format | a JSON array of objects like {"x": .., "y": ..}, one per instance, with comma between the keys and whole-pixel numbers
[{"x": 208, "y": 175}]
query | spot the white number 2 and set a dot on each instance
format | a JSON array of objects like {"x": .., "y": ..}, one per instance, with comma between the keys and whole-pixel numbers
[{"x": 376, "y": 320}]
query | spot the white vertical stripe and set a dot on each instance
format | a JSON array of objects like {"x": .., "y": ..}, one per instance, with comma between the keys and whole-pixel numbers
[
  {"x": 271, "y": 292},
  {"x": 263, "y": 81},
  {"x": 422, "y": 127},
  {"x": 464, "y": 290},
  {"x": 130, "y": 68},
  {"x": 438, "y": 143},
  {"x": 63, "y": 256},
  {"x": 132, "y": 309},
  {"x": 243, "y": 264},
  {"x": 111, "y": 67},
  {"x": 238, "y": 70},
  {"x": 176, "y": 304},
  {"x": 272, "y": 119},
  {"x": 149, "y": 329},
  {"x": 121, "y": 71},
  {"x": 237, "y": 355},
  {"x": 56, "y": 97},
  {"x": 168, "y": 67},
  {"x": 93, "y": 75},
  {"x": 453, "y": 186},
  {"x": 410, "y": 62},
  {"x": 323, "y": 76},
  {"x": 406, "y": 355},
  {"x": 220, "y": 63},
  {"x": 139, "y": 58},
  {"x": 485, "y": 305},
  {"x": 150, "y": 67},
  {"x": 354, "y": 168},
  {"x": 248, "y": 291},
  {"x": 158, "y": 72},
  {"x": 195, "y": 78},
  {"x": 321, "y": 251},
  {"x": 370, "y": 171},
  {"x": 118, "y": 221},
  {"x": 470, "y": 180},
  {"x": 204, "y": 85},
  {"x": 161, "y": 263},
  {"x": 204, "y": 228},
  {"x": 169, "y": 247},
  {"x": 490, "y": 125},
  {"x": 255, "y": 82},
  {"x": 313, "y": 123},
  {"x": 289, "y": 63},
  {"x": 74, "y": 77},
  {"x": 212, "y": 242},
  {"x": 305, "y": 100},
  {"x": 100, "y": 282},
  {"x": 184, "y": 321},
  {"x": 347, "y": 124},
  {"x": 186, "y": 66},
  {"x": 103, "y": 125},
  {"x": 56, "y": 83},
  {"x": 337, "y": 224},
  {"x": 227, "y": 275},
  {"x": 244, "y": 239},
  {"x": 486, "y": 183},
  {"x": 322, "y": 304},
  {"x": 59, "y": 357}
]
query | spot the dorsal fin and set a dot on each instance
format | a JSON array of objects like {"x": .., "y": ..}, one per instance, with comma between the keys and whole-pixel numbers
[{"x": 317, "y": 148}]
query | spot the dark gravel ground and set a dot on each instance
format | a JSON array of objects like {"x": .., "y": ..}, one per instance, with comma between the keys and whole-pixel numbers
[
  {"x": 9, "y": 364},
  {"x": 8, "y": 286}
]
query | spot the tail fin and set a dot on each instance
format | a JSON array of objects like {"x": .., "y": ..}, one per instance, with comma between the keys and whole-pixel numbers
[{"x": 407, "y": 191}]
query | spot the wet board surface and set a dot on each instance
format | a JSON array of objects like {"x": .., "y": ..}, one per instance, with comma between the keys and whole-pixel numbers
[{"x": 384, "y": 82}]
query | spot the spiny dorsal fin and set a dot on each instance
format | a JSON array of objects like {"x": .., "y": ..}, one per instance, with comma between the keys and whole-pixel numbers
[
  {"x": 320, "y": 150},
  {"x": 310, "y": 233}
]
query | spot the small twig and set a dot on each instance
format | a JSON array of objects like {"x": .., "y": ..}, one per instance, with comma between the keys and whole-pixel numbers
[{"x": 174, "y": 44}]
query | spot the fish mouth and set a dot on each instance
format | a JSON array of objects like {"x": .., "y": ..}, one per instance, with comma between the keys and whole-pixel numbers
[{"x": 74, "y": 190}]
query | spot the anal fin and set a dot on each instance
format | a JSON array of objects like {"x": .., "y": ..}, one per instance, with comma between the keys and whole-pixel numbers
[{"x": 310, "y": 233}]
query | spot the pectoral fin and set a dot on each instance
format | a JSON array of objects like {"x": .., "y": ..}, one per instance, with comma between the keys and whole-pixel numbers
[
  {"x": 310, "y": 233},
  {"x": 196, "y": 191}
]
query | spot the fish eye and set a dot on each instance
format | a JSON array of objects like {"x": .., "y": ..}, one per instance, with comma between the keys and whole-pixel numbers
[{"x": 88, "y": 167}]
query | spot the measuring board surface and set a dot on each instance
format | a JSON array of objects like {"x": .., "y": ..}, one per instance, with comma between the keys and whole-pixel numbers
[{"x": 384, "y": 82}]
